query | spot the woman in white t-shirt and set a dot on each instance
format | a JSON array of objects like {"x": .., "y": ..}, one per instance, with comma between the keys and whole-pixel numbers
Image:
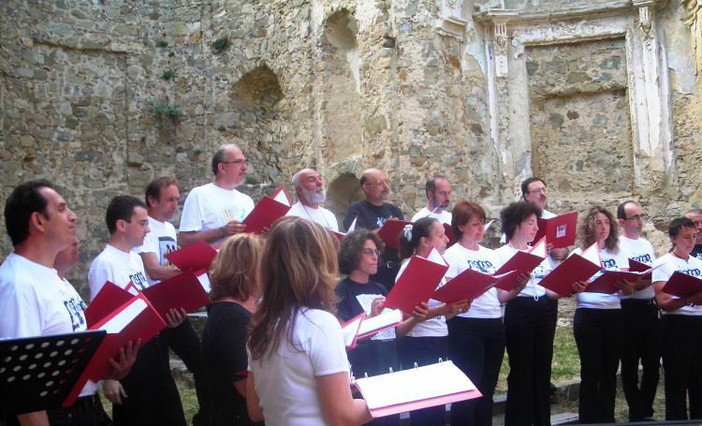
[
  {"x": 530, "y": 323},
  {"x": 597, "y": 324},
  {"x": 298, "y": 369},
  {"x": 681, "y": 324},
  {"x": 427, "y": 341},
  {"x": 477, "y": 336}
]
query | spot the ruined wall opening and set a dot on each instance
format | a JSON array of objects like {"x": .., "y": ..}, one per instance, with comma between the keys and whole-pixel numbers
[
  {"x": 340, "y": 109},
  {"x": 255, "y": 122},
  {"x": 343, "y": 191}
]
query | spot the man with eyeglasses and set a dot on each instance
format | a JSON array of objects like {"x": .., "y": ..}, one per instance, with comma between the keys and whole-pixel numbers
[
  {"x": 695, "y": 215},
  {"x": 438, "y": 192},
  {"x": 640, "y": 311},
  {"x": 372, "y": 213},
  {"x": 310, "y": 194},
  {"x": 215, "y": 210}
]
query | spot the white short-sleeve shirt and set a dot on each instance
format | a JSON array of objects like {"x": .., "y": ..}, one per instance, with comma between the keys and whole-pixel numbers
[
  {"x": 483, "y": 260},
  {"x": 671, "y": 263}
]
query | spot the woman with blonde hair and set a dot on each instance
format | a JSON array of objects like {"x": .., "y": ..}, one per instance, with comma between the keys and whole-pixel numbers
[
  {"x": 298, "y": 369},
  {"x": 234, "y": 291}
]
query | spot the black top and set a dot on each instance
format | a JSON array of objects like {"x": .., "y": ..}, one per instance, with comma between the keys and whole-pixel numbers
[
  {"x": 697, "y": 251},
  {"x": 224, "y": 355},
  {"x": 369, "y": 356},
  {"x": 370, "y": 216}
]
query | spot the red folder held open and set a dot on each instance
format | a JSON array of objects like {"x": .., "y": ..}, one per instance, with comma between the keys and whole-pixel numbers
[
  {"x": 181, "y": 291},
  {"x": 110, "y": 297},
  {"x": 195, "y": 256},
  {"x": 559, "y": 231},
  {"x": 606, "y": 283},
  {"x": 133, "y": 320},
  {"x": 682, "y": 285},
  {"x": 390, "y": 232},
  {"x": 470, "y": 284},
  {"x": 525, "y": 261},
  {"x": 575, "y": 268},
  {"x": 417, "y": 282},
  {"x": 636, "y": 266},
  {"x": 267, "y": 211}
]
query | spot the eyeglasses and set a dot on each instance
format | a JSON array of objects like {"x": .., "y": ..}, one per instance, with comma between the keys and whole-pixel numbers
[
  {"x": 637, "y": 217},
  {"x": 538, "y": 190},
  {"x": 370, "y": 252},
  {"x": 234, "y": 162}
]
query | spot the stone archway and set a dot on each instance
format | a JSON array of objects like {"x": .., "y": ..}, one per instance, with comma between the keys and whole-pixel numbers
[{"x": 343, "y": 190}]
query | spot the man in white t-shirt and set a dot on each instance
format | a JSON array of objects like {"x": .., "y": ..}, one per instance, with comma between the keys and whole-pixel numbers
[
  {"x": 534, "y": 190},
  {"x": 148, "y": 395},
  {"x": 34, "y": 299},
  {"x": 438, "y": 192},
  {"x": 695, "y": 215},
  {"x": 215, "y": 210},
  {"x": 642, "y": 339},
  {"x": 309, "y": 188},
  {"x": 162, "y": 198}
]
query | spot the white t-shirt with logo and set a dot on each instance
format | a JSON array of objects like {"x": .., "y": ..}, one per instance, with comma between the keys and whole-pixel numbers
[
  {"x": 210, "y": 207},
  {"x": 611, "y": 261},
  {"x": 319, "y": 215},
  {"x": 532, "y": 289},
  {"x": 483, "y": 260},
  {"x": 433, "y": 327},
  {"x": 640, "y": 250},
  {"x": 161, "y": 240},
  {"x": 286, "y": 381},
  {"x": 118, "y": 267},
  {"x": 35, "y": 301},
  {"x": 672, "y": 263},
  {"x": 443, "y": 216}
]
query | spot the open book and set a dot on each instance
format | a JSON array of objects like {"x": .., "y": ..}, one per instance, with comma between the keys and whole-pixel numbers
[
  {"x": 416, "y": 388},
  {"x": 363, "y": 326},
  {"x": 267, "y": 211}
]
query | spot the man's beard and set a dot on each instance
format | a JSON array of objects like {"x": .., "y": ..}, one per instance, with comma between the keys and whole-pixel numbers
[
  {"x": 315, "y": 196},
  {"x": 439, "y": 207}
]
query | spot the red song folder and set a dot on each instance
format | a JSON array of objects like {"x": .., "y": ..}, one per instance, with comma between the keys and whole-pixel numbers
[
  {"x": 416, "y": 388},
  {"x": 682, "y": 285},
  {"x": 110, "y": 297},
  {"x": 559, "y": 231},
  {"x": 195, "y": 256},
  {"x": 575, "y": 268},
  {"x": 390, "y": 232},
  {"x": 469, "y": 284},
  {"x": 133, "y": 320},
  {"x": 341, "y": 235},
  {"x": 525, "y": 261},
  {"x": 449, "y": 233},
  {"x": 417, "y": 282},
  {"x": 267, "y": 211},
  {"x": 181, "y": 291},
  {"x": 606, "y": 282},
  {"x": 636, "y": 266}
]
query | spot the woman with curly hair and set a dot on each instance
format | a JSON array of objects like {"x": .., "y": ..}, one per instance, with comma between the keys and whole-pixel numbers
[
  {"x": 597, "y": 324},
  {"x": 298, "y": 369},
  {"x": 234, "y": 291}
]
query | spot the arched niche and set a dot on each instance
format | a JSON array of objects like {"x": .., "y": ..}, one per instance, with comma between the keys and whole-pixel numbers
[{"x": 343, "y": 191}]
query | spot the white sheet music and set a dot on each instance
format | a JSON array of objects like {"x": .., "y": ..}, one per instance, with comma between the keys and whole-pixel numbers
[
  {"x": 282, "y": 197},
  {"x": 350, "y": 330},
  {"x": 415, "y": 384},
  {"x": 386, "y": 318},
  {"x": 204, "y": 281}
]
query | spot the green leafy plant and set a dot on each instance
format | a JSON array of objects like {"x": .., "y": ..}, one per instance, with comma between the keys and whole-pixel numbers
[
  {"x": 220, "y": 45},
  {"x": 168, "y": 75},
  {"x": 161, "y": 43},
  {"x": 168, "y": 115}
]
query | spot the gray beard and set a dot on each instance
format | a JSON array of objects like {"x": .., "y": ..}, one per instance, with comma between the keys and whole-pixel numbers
[{"x": 315, "y": 197}]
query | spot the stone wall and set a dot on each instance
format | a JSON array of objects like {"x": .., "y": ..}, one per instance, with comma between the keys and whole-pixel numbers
[{"x": 485, "y": 92}]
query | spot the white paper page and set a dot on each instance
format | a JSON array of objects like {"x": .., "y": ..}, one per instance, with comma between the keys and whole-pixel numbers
[
  {"x": 353, "y": 225},
  {"x": 436, "y": 257},
  {"x": 365, "y": 300},
  {"x": 487, "y": 225},
  {"x": 592, "y": 254},
  {"x": 122, "y": 319},
  {"x": 539, "y": 249},
  {"x": 415, "y": 384},
  {"x": 204, "y": 280},
  {"x": 350, "y": 330},
  {"x": 389, "y": 316},
  {"x": 282, "y": 197}
]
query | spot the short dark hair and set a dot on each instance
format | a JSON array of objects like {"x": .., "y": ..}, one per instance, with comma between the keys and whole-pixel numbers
[
  {"x": 430, "y": 186},
  {"x": 24, "y": 200},
  {"x": 516, "y": 213},
  {"x": 220, "y": 156},
  {"x": 420, "y": 228},
  {"x": 121, "y": 207},
  {"x": 529, "y": 181},
  {"x": 677, "y": 224},
  {"x": 461, "y": 214},
  {"x": 621, "y": 208},
  {"x": 351, "y": 246},
  {"x": 153, "y": 189}
]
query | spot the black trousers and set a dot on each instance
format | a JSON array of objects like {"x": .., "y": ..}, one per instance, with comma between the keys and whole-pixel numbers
[
  {"x": 152, "y": 395},
  {"x": 682, "y": 362},
  {"x": 424, "y": 351},
  {"x": 185, "y": 342},
  {"x": 530, "y": 326},
  {"x": 476, "y": 346},
  {"x": 640, "y": 343},
  {"x": 598, "y": 336}
]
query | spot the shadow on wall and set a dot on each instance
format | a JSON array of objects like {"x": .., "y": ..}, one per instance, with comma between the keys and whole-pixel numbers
[{"x": 343, "y": 191}]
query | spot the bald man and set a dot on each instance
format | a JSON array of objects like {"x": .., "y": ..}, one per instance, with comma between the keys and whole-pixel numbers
[
  {"x": 309, "y": 188},
  {"x": 372, "y": 213}
]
